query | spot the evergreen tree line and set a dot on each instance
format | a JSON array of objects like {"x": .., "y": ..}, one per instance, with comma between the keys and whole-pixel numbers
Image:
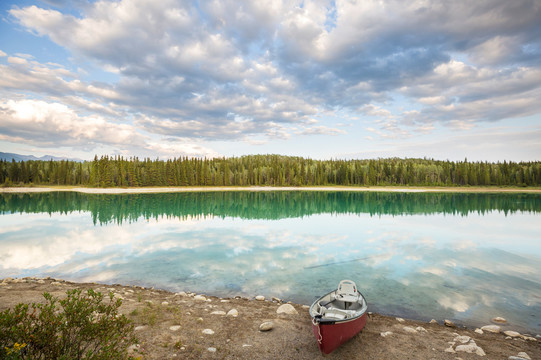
[{"x": 268, "y": 170}]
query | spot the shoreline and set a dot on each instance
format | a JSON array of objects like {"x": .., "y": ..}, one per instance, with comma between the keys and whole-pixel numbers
[
  {"x": 152, "y": 190},
  {"x": 176, "y": 325}
]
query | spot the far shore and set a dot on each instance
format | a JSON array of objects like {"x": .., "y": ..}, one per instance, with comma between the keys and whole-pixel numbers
[{"x": 148, "y": 190}]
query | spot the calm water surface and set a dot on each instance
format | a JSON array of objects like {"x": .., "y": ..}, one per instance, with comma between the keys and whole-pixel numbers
[{"x": 464, "y": 257}]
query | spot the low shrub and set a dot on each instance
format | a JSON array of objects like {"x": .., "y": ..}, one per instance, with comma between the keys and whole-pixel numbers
[{"x": 81, "y": 326}]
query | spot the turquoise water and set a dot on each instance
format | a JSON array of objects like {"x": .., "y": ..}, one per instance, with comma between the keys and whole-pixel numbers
[{"x": 463, "y": 257}]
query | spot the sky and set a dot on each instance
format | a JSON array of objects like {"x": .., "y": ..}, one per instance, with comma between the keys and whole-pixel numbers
[{"x": 366, "y": 79}]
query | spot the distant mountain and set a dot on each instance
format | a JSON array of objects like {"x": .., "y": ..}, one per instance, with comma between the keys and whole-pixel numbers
[{"x": 18, "y": 157}]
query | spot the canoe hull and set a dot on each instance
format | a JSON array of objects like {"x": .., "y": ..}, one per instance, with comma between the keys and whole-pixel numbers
[{"x": 331, "y": 335}]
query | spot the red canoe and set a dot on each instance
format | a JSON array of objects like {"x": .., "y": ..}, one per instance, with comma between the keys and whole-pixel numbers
[{"x": 338, "y": 316}]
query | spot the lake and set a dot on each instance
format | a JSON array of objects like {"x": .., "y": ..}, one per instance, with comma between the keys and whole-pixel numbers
[{"x": 466, "y": 257}]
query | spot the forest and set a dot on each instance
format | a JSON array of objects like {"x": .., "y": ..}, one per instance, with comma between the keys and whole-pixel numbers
[{"x": 267, "y": 170}]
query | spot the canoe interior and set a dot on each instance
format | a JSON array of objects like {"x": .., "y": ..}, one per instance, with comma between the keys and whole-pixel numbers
[{"x": 331, "y": 308}]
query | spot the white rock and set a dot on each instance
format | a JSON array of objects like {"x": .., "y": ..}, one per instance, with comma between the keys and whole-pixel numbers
[
  {"x": 217, "y": 312},
  {"x": 246, "y": 345},
  {"x": 260, "y": 298},
  {"x": 140, "y": 327},
  {"x": 433, "y": 321},
  {"x": 479, "y": 331},
  {"x": 386, "y": 333},
  {"x": 499, "y": 319},
  {"x": 181, "y": 293},
  {"x": 233, "y": 312},
  {"x": 410, "y": 330},
  {"x": 471, "y": 348},
  {"x": 208, "y": 332},
  {"x": 492, "y": 328},
  {"x": 165, "y": 303},
  {"x": 266, "y": 326},
  {"x": 174, "y": 327},
  {"x": 462, "y": 339},
  {"x": 522, "y": 354},
  {"x": 224, "y": 301},
  {"x": 511, "y": 333},
  {"x": 286, "y": 309},
  {"x": 41, "y": 281},
  {"x": 420, "y": 329},
  {"x": 199, "y": 298},
  {"x": 400, "y": 320},
  {"x": 212, "y": 349}
]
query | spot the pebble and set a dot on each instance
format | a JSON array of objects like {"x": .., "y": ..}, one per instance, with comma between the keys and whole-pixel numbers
[
  {"x": 174, "y": 327},
  {"x": 266, "y": 326},
  {"x": 511, "y": 333},
  {"x": 260, "y": 298},
  {"x": 410, "y": 330},
  {"x": 420, "y": 329},
  {"x": 479, "y": 331},
  {"x": 276, "y": 299},
  {"x": 217, "y": 312},
  {"x": 140, "y": 327},
  {"x": 400, "y": 320},
  {"x": 212, "y": 349},
  {"x": 492, "y": 328},
  {"x": 41, "y": 281},
  {"x": 471, "y": 348},
  {"x": 165, "y": 303},
  {"x": 520, "y": 356},
  {"x": 287, "y": 309},
  {"x": 181, "y": 293},
  {"x": 199, "y": 298},
  {"x": 448, "y": 323},
  {"x": 433, "y": 321},
  {"x": 499, "y": 319},
  {"x": 233, "y": 313},
  {"x": 462, "y": 339},
  {"x": 386, "y": 333},
  {"x": 208, "y": 332}
]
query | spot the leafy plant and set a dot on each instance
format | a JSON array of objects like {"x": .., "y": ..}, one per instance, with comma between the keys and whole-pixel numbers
[{"x": 82, "y": 326}]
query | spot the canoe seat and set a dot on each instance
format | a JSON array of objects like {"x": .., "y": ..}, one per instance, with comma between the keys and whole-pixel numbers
[
  {"x": 347, "y": 291},
  {"x": 334, "y": 314}
]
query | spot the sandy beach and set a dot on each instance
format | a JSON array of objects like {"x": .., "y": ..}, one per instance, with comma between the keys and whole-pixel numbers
[
  {"x": 185, "y": 325},
  {"x": 150, "y": 190}
]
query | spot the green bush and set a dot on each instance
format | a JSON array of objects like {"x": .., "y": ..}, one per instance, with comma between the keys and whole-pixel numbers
[{"x": 81, "y": 326}]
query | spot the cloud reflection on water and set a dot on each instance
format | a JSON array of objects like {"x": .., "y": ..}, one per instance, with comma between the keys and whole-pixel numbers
[{"x": 426, "y": 267}]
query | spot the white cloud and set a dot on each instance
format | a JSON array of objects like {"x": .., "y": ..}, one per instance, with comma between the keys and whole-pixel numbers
[
  {"x": 52, "y": 124},
  {"x": 263, "y": 69}
]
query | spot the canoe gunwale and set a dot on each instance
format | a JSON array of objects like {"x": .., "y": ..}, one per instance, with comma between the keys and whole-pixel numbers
[{"x": 318, "y": 318}]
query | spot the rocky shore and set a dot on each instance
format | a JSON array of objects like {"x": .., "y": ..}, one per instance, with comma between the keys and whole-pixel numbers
[{"x": 185, "y": 325}]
